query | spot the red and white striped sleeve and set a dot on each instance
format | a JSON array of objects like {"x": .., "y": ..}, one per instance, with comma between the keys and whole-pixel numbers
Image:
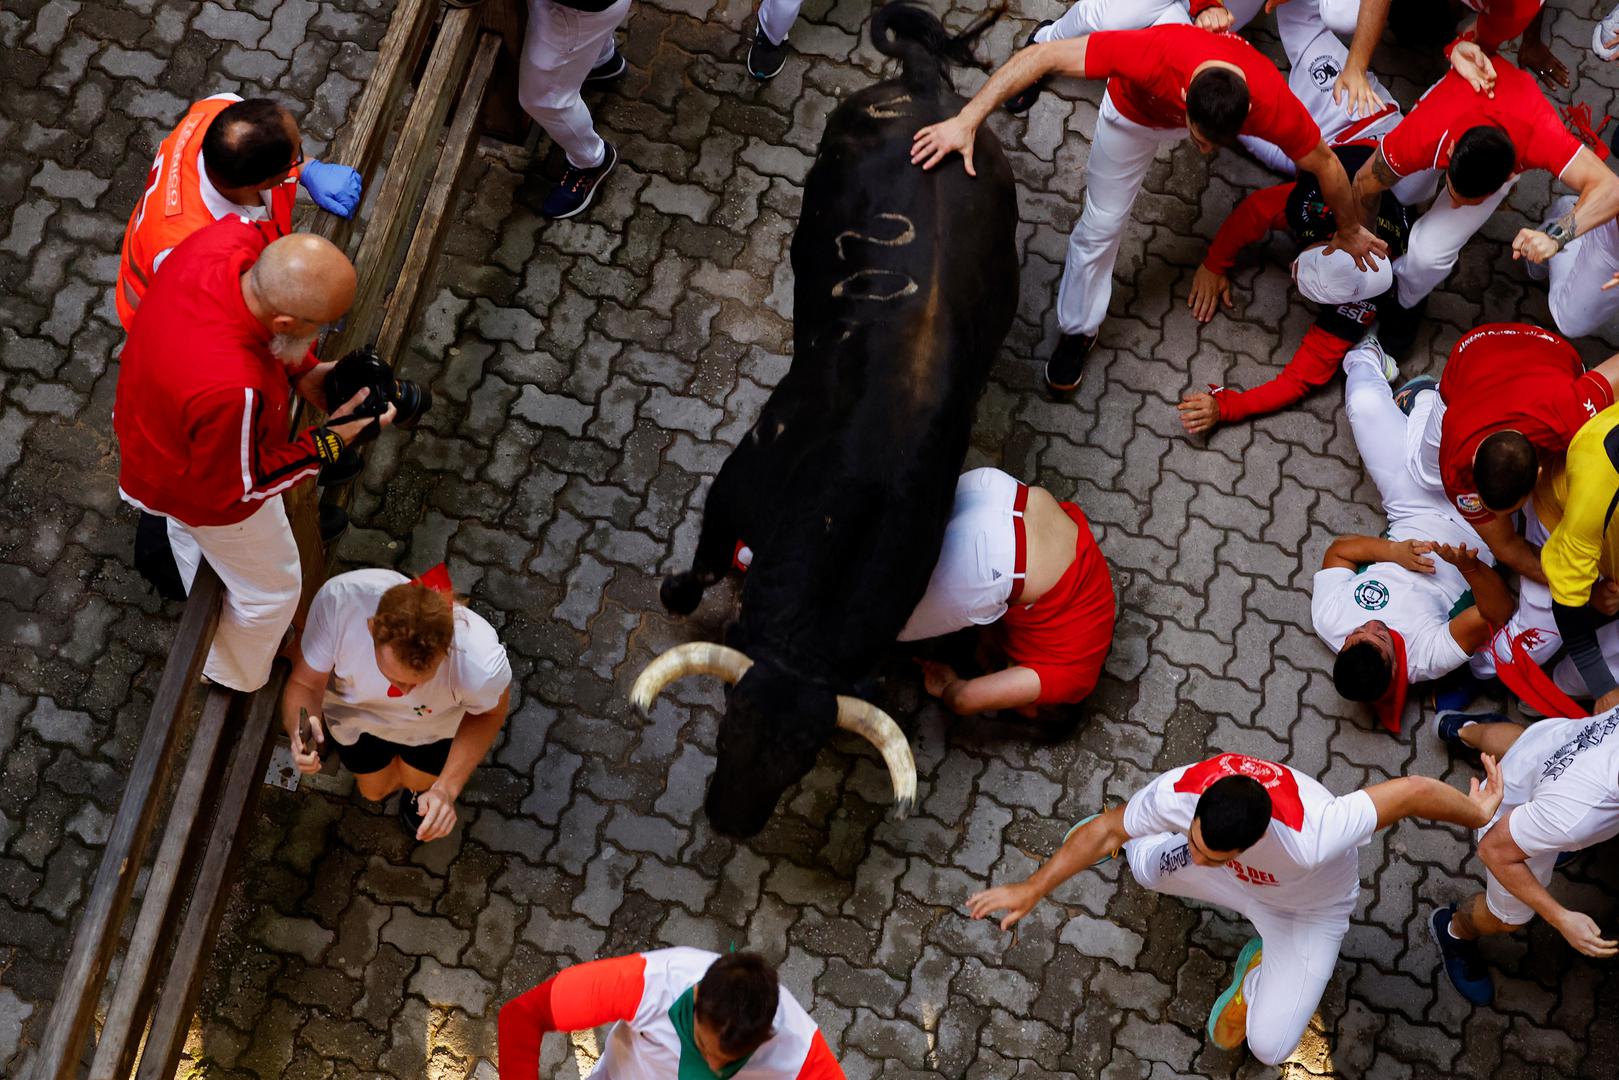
[
  {"x": 583, "y": 996},
  {"x": 229, "y": 458},
  {"x": 819, "y": 1064}
]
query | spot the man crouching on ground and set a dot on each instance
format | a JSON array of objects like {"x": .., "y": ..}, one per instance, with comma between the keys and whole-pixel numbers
[{"x": 412, "y": 687}]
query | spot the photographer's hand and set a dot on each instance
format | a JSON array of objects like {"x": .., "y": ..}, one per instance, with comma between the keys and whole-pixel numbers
[{"x": 353, "y": 429}]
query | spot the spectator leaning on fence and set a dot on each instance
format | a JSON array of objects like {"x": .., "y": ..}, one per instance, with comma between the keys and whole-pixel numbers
[
  {"x": 227, "y": 156},
  {"x": 202, "y": 425},
  {"x": 411, "y": 686}
]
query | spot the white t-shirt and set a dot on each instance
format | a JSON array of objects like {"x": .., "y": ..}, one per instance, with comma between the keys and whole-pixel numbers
[
  {"x": 1562, "y": 784},
  {"x": 336, "y": 639},
  {"x": 1306, "y": 861},
  {"x": 1417, "y": 606}
]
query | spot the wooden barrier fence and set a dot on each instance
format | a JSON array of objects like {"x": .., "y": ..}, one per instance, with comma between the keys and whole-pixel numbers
[{"x": 148, "y": 1011}]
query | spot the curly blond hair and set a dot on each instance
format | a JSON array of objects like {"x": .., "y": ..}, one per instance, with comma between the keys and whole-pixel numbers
[{"x": 417, "y": 621}]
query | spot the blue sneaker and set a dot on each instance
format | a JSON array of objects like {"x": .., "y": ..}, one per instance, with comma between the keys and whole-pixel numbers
[
  {"x": 1406, "y": 396},
  {"x": 1081, "y": 824},
  {"x": 1458, "y": 692},
  {"x": 1228, "y": 1020},
  {"x": 1463, "y": 962},
  {"x": 577, "y": 187},
  {"x": 1451, "y": 723}
]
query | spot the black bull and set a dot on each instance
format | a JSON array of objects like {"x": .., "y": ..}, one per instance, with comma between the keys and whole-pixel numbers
[{"x": 905, "y": 286}]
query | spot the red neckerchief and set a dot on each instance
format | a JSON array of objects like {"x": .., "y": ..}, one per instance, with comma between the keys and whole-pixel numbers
[
  {"x": 1286, "y": 805},
  {"x": 1390, "y": 708}
]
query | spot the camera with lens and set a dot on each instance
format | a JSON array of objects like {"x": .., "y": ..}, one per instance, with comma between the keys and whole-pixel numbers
[{"x": 363, "y": 369}]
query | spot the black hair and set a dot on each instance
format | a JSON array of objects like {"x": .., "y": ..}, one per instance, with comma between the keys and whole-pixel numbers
[
  {"x": 1425, "y": 25},
  {"x": 1234, "y": 813},
  {"x": 737, "y": 998},
  {"x": 1481, "y": 161},
  {"x": 1217, "y": 102},
  {"x": 1505, "y": 468},
  {"x": 1361, "y": 672},
  {"x": 247, "y": 143}
]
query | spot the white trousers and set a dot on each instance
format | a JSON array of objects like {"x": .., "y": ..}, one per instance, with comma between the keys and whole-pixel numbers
[
  {"x": 257, "y": 560},
  {"x": 1315, "y": 58},
  {"x": 1577, "y": 274},
  {"x": 776, "y": 17},
  {"x": 1300, "y": 950},
  {"x": 1089, "y": 16},
  {"x": 561, "y": 47},
  {"x": 1381, "y": 433},
  {"x": 1121, "y": 153},
  {"x": 1438, "y": 236}
]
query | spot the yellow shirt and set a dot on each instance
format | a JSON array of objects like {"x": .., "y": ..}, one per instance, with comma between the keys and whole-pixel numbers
[{"x": 1582, "y": 547}]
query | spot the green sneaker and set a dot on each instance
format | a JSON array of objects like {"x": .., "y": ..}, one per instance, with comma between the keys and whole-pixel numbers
[{"x": 1080, "y": 824}]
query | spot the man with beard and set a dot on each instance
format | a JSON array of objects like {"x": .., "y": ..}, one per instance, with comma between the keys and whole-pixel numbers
[{"x": 201, "y": 419}]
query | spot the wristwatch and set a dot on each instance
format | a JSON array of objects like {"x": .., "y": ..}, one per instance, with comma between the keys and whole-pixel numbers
[{"x": 1560, "y": 233}]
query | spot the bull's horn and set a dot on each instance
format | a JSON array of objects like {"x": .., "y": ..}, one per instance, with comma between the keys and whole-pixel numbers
[
  {"x": 692, "y": 658},
  {"x": 877, "y": 727}
]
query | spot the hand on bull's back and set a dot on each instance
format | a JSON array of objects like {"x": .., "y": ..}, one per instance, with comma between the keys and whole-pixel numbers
[{"x": 938, "y": 141}]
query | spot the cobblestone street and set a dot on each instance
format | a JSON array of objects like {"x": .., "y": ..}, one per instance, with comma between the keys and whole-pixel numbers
[{"x": 590, "y": 376}]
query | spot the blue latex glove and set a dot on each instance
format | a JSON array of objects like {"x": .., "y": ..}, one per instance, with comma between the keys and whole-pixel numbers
[{"x": 335, "y": 188}]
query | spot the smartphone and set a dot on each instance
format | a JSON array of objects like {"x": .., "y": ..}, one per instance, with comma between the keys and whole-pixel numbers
[{"x": 306, "y": 732}]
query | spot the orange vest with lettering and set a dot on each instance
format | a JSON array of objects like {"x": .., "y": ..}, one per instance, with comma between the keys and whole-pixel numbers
[{"x": 171, "y": 207}]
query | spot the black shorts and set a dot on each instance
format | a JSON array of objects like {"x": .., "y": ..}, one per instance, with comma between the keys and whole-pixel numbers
[{"x": 370, "y": 754}]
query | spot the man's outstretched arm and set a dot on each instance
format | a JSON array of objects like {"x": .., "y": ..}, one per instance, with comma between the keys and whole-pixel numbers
[
  {"x": 1435, "y": 800},
  {"x": 1088, "y": 843},
  {"x": 1028, "y": 66}
]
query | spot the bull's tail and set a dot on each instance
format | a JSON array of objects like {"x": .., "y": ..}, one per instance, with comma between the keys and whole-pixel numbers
[{"x": 915, "y": 37}]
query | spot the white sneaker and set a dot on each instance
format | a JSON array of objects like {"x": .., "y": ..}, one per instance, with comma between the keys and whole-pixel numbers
[
  {"x": 1383, "y": 360},
  {"x": 1606, "y": 31}
]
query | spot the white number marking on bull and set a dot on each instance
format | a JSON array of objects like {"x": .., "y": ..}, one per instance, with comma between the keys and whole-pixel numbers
[
  {"x": 862, "y": 285},
  {"x": 907, "y": 233},
  {"x": 885, "y": 110}
]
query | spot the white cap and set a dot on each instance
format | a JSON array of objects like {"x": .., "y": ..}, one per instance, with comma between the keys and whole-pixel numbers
[{"x": 1335, "y": 279}]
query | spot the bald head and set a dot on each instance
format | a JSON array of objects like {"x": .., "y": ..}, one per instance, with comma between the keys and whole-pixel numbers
[{"x": 303, "y": 276}]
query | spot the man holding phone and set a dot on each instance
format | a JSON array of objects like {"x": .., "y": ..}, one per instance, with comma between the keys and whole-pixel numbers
[{"x": 411, "y": 686}]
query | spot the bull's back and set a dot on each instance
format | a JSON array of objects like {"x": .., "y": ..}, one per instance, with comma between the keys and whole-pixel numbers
[{"x": 905, "y": 286}]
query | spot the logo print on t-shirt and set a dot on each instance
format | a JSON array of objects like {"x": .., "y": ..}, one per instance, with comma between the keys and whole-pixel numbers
[
  {"x": 421, "y": 710},
  {"x": 1324, "y": 71},
  {"x": 1249, "y": 876},
  {"x": 1469, "y": 503},
  {"x": 1372, "y": 595},
  {"x": 1588, "y": 736}
]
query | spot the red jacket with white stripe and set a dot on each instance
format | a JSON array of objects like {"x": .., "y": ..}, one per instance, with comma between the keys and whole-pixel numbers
[
  {"x": 201, "y": 411},
  {"x": 634, "y": 993}
]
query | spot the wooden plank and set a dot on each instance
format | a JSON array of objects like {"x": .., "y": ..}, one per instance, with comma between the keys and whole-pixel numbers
[
  {"x": 96, "y": 939},
  {"x": 418, "y": 270},
  {"x": 193, "y": 950},
  {"x": 359, "y": 142},
  {"x": 397, "y": 196},
  {"x": 160, "y": 907},
  {"x": 503, "y": 118}
]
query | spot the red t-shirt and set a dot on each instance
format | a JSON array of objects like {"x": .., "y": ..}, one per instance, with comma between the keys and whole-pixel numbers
[
  {"x": 1499, "y": 21},
  {"x": 1510, "y": 376},
  {"x": 1148, "y": 72},
  {"x": 1064, "y": 636},
  {"x": 201, "y": 408},
  {"x": 1424, "y": 139}
]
